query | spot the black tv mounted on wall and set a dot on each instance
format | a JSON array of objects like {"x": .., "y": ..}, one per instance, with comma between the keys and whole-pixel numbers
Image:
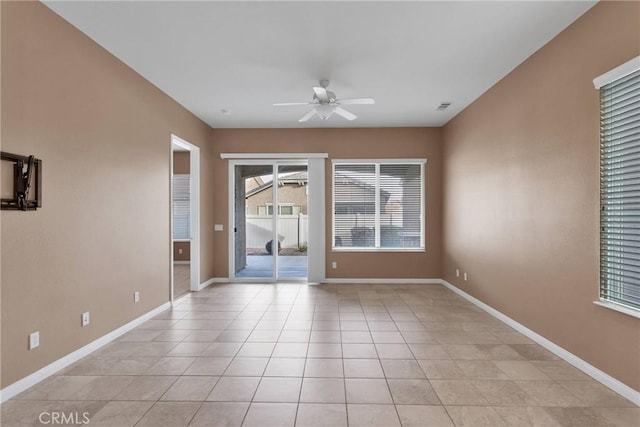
[{"x": 24, "y": 168}]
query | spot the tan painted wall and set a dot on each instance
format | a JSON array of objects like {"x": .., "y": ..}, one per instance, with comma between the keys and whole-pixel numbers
[
  {"x": 103, "y": 133},
  {"x": 186, "y": 251},
  {"x": 342, "y": 144},
  {"x": 521, "y": 193},
  {"x": 181, "y": 162}
]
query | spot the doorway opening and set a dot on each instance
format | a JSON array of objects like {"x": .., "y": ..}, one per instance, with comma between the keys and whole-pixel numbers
[
  {"x": 185, "y": 217},
  {"x": 271, "y": 221}
]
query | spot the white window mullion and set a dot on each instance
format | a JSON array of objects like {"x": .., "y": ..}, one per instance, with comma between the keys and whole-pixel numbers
[
  {"x": 423, "y": 218},
  {"x": 378, "y": 207},
  {"x": 334, "y": 242},
  {"x": 275, "y": 243}
]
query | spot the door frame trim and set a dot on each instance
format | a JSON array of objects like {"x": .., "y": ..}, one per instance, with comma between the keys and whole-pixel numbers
[
  {"x": 272, "y": 156},
  {"x": 194, "y": 246}
]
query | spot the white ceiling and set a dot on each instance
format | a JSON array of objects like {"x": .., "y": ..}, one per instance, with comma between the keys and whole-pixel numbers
[{"x": 244, "y": 56}]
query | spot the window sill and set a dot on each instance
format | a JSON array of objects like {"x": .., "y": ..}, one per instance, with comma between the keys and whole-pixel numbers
[
  {"x": 617, "y": 307},
  {"x": 378, "y": 250},
  {"x": 181, "y": 240}
]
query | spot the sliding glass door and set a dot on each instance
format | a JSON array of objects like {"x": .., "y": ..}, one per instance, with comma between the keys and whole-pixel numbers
[
  {"x": 270, "y": 220},
  {"x": 292, "y": 222}
]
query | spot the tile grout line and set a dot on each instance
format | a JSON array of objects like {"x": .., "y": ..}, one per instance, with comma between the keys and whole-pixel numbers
[
  {"x": 180, "y": 376},
  {"x": 236, "y": 354},
  {"x": 425, "y": 374},
  {"x": 304, "y": 365}
]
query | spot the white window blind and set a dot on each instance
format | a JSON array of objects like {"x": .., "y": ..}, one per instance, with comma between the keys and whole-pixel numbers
[
  {"x": 378, "y": 205},
  {"x": 181, "y": 205},
  {"x": 620, "y": 191}
]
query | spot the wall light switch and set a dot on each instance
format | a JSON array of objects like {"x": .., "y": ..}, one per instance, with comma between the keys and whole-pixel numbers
[
  {"x": 136, "y": 296},
  {"x": 457, "y": 272},
  {"x": 85, "y": 318},
  {"x": 465, "y": 277},
  {"x": 34, "y": 340},
  {"x": 218, "y": 227},
  {"x": 334, "y": 265}
]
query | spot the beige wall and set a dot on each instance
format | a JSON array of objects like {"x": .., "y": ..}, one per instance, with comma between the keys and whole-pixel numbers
[
  {"x": 186, "y": 251},
  {"x": 521, "y": 193},
  {"x": 103, "y": 133},
  {"x": 342, "y": 144},
  {"x": 181, "y": 162}
]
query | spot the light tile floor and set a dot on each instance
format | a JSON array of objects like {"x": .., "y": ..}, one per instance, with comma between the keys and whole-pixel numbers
[
  {"x": 181, "y": 280},
  {"x": 330, "y": 355}
]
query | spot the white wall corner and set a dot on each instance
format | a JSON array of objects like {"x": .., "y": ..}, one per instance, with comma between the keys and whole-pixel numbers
[{"x": 212, "y": 281}]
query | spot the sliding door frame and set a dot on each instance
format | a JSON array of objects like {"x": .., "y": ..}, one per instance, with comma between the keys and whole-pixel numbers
[{"x": 315, "y": 167}]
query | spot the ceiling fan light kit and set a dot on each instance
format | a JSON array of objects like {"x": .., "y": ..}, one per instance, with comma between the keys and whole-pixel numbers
[{"x": 325, "y": 104}]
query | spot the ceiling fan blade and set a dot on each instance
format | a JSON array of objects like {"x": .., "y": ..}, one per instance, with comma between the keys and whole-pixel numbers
[
  {"x": 307, "y": 116},
  {"x": 344, "y": 113},
  {"x": 355, "y": 101},
  {"x": 287, "y": 104},
  {"x": 321, "y": 94}
]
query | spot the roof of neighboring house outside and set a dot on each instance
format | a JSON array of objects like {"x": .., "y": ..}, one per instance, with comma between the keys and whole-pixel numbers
[{"x": 301, "y": 178}]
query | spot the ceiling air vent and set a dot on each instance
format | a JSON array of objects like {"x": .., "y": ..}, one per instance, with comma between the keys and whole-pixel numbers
[{"x": 443, "y": 106}]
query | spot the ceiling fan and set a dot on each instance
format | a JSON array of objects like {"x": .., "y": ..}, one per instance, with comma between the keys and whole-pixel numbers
[{"x": 325, "y": 104}]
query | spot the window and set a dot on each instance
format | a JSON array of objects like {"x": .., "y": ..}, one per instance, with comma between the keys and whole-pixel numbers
[
  {"x": 181, "y": 205},
  {"x": 283, "y": 209},
  {"x": 378, "y": 205},
  {"x": 620, "y": 185}
]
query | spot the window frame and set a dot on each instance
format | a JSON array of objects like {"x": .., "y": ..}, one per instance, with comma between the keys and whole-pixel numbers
[
  {"x": 607, "y": 78},
  {"x": 378, "y": 162}
]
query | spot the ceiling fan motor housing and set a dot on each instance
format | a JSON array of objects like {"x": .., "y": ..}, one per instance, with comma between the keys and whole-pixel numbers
[
  {"x": 331, "y": 98},
  {"x": 326, "y": 103}
]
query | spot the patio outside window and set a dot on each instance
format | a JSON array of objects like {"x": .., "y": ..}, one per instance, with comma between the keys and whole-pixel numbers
[{"x": 378, "y": 205}]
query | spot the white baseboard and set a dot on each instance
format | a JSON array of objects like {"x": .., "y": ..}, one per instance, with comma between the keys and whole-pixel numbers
[
  {"x": 600, "y": 376},
  {"x": 43, "y": 373},
  {"x": 370, "y": 281},
  {"x": 212, "y": 281},
  {"x": 366, "y": 281}
]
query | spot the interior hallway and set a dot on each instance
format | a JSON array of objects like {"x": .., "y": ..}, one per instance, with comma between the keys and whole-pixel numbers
[
  {"x": 285, "y": 355},
  {"x": 181, "y": 280}
]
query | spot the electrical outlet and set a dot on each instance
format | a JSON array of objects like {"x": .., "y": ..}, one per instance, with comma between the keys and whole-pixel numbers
[
  {"x": 180, "y": 251},
  {"x": 334, "y": 265},
  {"x": 34, "y": 340},
  {"x": 218, "y": 227},
  {"x": 85, "y": 318},
  {"x": 457, "y": 272},
  {"x": 136, "y": 296},
  {"x": 465, "y": 277}
]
